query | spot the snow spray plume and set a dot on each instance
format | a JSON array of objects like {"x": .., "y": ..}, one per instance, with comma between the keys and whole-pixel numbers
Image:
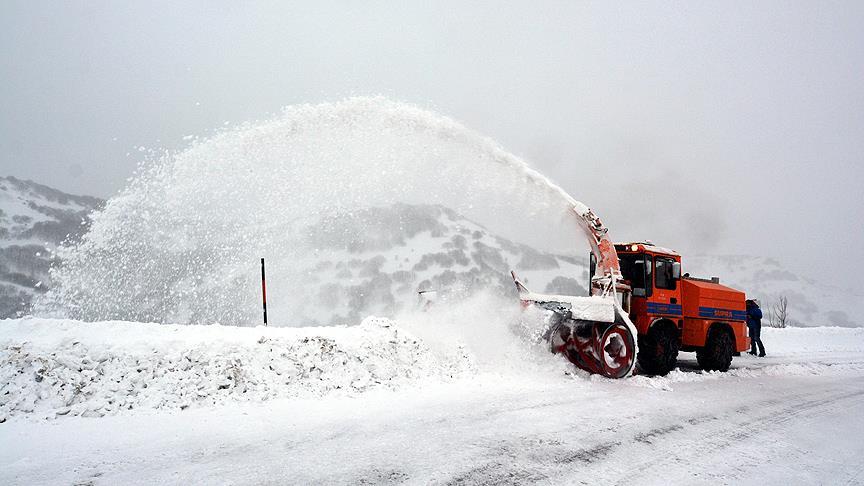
[
  {"x": 501, "y": 337},
  {"x": 181, "y": 243}
]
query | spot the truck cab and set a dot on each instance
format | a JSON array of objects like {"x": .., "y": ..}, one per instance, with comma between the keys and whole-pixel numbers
[
  {"x": 653, "y": 274},
  {"x": 675, "y": 313}
]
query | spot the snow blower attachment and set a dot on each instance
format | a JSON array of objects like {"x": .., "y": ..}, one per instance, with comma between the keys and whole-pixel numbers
[
  {"x": 592, "y": 332},
  {"x": 595, "y": 333},
  {"x": 638, "y": 296}
]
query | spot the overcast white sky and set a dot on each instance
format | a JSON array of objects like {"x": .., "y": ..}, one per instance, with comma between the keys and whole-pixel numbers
[{"x": 711, "y": 127}]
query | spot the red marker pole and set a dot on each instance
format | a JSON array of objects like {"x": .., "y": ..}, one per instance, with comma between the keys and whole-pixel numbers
[{"x": 264, "y": 291}]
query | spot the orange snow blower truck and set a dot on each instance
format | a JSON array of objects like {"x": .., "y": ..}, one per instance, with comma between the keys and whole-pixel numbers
[{"x": 636, "y": 289}]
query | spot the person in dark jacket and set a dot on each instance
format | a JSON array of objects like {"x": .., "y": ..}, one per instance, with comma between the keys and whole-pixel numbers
[{"x": 754, "y": 324}]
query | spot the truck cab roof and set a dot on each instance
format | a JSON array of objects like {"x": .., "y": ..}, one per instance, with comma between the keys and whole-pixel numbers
[{"x": 644, "y": 246}]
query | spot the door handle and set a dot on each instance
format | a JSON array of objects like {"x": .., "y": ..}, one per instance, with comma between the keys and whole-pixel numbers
[{"x": 673, "y": 300}]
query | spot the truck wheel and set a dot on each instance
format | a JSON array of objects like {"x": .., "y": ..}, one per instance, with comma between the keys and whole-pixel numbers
[
  {"x": 717, "y": 353},
  {"x": 658, "y": 350}
]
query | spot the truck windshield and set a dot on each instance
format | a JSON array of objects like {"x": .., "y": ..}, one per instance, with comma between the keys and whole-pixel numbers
[{"x": 633, "y": 269}]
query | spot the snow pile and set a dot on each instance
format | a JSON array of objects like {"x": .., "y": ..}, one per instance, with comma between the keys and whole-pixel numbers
[{"x": 61, "y": 367}]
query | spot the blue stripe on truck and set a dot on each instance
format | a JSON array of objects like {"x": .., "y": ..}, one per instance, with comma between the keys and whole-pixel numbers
[
  {"x": 717, "y": 312},
  {"x": 668, "y": 309}
]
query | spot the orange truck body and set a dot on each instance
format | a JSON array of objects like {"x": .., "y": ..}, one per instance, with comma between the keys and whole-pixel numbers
[{"x": 693, "y": 306}]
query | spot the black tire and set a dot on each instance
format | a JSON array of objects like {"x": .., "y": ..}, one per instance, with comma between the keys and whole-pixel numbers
[
  {"x": 658, "y": 350},
  {"x": 717, "y": 353}
]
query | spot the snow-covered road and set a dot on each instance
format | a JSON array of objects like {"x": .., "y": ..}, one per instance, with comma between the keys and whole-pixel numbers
[{"x": 791, "y": 418}]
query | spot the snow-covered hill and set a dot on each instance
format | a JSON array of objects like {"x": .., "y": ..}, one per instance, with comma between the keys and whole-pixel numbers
[
  {"x": 406, "y": 256},
  {"x": 34, "y": 219},
  {"x": 413, "y": 248},
  {"x": 416, "y": 255},
  {"x": 405, "y": 250}
]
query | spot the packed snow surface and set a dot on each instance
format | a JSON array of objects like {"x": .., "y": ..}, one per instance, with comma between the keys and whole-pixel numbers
[{"x": 790, "y": 418}]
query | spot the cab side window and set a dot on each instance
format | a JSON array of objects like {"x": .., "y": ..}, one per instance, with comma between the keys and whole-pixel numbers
[
  {"x": 649, "y": 263},
  {"x": 663, "y": 274}
]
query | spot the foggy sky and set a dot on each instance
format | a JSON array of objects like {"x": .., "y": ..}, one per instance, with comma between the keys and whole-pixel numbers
[{"x": 710, "y": 128}]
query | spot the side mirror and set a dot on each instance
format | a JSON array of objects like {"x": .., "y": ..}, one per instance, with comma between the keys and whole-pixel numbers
[{"x": 676, "y": 270}]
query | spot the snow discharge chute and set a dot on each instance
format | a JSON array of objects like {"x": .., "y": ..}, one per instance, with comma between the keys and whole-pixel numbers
[{"x": 594, "y": 333}]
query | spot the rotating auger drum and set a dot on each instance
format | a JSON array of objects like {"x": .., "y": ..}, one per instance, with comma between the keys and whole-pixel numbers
[
  {"x": 603, "y": 348},
  {"x": 603, "y": 343}
]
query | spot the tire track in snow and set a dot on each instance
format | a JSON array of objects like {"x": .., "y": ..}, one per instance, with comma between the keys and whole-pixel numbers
[
  {"x": 538, "y": 459},
  {"x": 723, "y": 430}
]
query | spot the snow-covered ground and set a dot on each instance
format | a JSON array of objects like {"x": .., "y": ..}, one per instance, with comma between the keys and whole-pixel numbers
[{"x": 499, "y": 418}]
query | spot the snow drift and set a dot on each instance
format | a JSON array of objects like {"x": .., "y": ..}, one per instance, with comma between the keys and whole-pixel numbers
[
  {"x": 52, "y": 368},
  {"x": 61, "y": 367}
]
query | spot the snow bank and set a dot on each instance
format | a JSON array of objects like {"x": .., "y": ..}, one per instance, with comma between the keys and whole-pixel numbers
[
  {"x": 62, "y": 367},
  {"x": 54, "y": 367}
]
